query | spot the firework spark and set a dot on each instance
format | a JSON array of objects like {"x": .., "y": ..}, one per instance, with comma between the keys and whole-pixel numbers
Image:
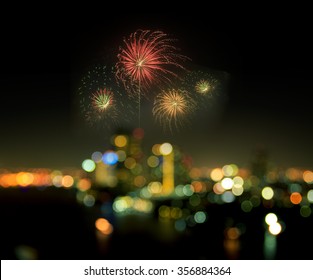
[
  {"x": 203, "y": 86},
  {"x": 172, "y": 107},
  {"x": 203, "y": 83},
  {"x": 101, "y": 100},
  {"x": 102, "y": 107},
  {"x": 148, "y": 57}
]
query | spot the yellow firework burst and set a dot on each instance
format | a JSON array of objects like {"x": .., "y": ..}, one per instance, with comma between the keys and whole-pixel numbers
[
  {"x": 172, "y": 107},
  {"x": 203, "y": 86}
]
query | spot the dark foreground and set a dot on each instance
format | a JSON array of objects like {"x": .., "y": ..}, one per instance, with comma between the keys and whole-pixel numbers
[{"x": 50, "y": 224}]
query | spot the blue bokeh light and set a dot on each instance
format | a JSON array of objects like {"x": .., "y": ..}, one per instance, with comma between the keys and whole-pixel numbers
[{"x": 110, "y": 158}]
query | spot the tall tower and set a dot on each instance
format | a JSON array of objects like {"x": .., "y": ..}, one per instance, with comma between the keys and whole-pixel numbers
[{"x": 166, "y": 150}]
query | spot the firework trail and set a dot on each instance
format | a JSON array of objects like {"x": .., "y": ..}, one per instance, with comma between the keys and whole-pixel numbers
[
  {"x": 172, "y": 108},
  {"x": 147, "y": 58},
  {"x": 101, "y": 101}
]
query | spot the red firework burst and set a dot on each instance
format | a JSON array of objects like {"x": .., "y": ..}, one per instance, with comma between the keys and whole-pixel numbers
[{"x": 147, "y": 57}]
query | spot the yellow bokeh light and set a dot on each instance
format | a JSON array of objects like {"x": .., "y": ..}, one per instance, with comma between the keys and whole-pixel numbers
[
  {"x": 238, "y": 180},
  {"x": 308, "y": 176},
  {"x": 156, "y": 149},
  {"x": 267, "y": 193},
  {"x": 24, "y": 178},
  {"x": 67, "y": 181},
  {"x": 237, "y": 190},
  {"x": 310, "y": 196},
  {"x": 120, "y": 141},
  {"x": 227, "y": 170},
  {"x": 155, "y": 187},
  {"x": 166, "y": 149},
  {"x": 57, "y": 180},
  {"x": 216, "y": 174}
]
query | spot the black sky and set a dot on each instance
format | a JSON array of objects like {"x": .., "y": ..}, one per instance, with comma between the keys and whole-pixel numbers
[{"x": 268, "y": 60}]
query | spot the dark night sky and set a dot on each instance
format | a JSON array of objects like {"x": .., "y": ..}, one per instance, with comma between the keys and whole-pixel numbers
[{"x": 268, "y": 61}]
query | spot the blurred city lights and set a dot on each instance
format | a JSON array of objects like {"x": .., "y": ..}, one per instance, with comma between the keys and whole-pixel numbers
[
  {"x": 267, "y": 193},
  {"x": 67, "y": 181},
  {"x": 308, "y": 176},
  {"x": 88, "y": 165},
  {"x": 310, "y": 196},
  {"x": 166, "y": 149},
  {"x": 96, "y": 157},
  {"x": 110, "y": 158},
  {"x": 139, "y": 191},
  {"x": 217, "y": 174},
  {"x": 227, "y": 183},
  {"x": 120, "y": 141},
  {"x": 121, "y": 155},
  {"x": 271, "y": 218},
  {"x": 295, "y": 198},
  {"x": 200, "y": 217},
  {"x": 275, "y": 228}
]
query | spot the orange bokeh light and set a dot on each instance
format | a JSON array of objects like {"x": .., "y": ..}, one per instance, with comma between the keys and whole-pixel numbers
[{"x": 295, "y": 198}]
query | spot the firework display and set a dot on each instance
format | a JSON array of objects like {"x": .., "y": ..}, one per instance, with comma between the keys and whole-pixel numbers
[
  {"x": 101, "y": 100},
  {"x": 148, "y": 64},
  {"x": 202, "y": 83},
  {"x": 147, "y": 58},
  {"x": 172, "y": 108},
  {"x": 102, "y": 107}
]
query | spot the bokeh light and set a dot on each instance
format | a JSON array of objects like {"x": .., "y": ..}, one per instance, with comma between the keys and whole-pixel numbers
[
  {"x": 120, "y": 141},
  {"x": 271, "y": 218},
  {"x": 275, "y": 228},
  {"x": 295, "y": 198},
  {"x": 308, "y": 176},
  {"x": 217, "y": 174},
  {"x": 166, "y": 149},
  {"x": 88, "y": 165},
  {"x": 267, "y": 193},
  {"x": 96, "y": 156},
  {"x": 310, "y": 196},
  {"x": 67, "y": 181},
  {"x": 200, "y": 217},
  {"x": 110, "y": 158}
]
